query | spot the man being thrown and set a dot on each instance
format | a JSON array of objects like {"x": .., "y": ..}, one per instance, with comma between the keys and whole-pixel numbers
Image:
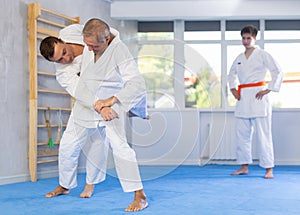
[
  {"x": 111, "y": 81},
  {"x": 66, "y": 51}
]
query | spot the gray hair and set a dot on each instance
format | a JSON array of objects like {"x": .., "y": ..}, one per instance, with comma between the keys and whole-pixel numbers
[{"x": 96, "y": 27}]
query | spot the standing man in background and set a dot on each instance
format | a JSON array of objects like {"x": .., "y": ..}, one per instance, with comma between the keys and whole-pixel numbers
[{"x": 253, "y": 109}]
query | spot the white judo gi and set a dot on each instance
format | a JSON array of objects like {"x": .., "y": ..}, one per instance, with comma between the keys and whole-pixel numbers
[
  {"x": 253, "y": 114},
  {"x": 114, "y": 74},
  {"x": 67, "y": 76}
]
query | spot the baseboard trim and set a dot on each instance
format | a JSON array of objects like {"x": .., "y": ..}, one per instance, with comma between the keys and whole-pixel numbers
[{"x": 26, "y": 177}]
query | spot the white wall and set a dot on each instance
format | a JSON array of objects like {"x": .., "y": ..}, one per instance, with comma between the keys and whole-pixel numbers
[
  {"x": 286, "y": 137},
  {"x": 199, "y": 137},
  {"x": 167, "y": 138},
  {"x": 14, "y": 90}
]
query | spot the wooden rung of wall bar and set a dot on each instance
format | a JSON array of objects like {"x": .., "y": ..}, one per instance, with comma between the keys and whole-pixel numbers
[
  {"x": 52, "y": 91},
  {"x": 55, "y": 108},
  {"x": 40, "y": 37},
  {"x": 46, "y": 73},
  {"x": 47, "y": 152},
  {"x": 46, "y": 143},
  {"x": 71, "y": 19},
  {"x": 51, "y": 23},
  {"x": 51, "y": 125},
  {"x": 47, "y": 161},
  {"x": 47, "y": 31},
  {"x": 41, "y": 155}
]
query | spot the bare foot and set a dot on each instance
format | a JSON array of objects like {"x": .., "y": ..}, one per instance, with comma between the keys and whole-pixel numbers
[
  {"x": 88, "y": 191},
  {"x": 58, "y": 191},
  {"x": 269, "y": 173},
  {"x": 139, "y": 203},
  {"x": 242, "y": 171}
]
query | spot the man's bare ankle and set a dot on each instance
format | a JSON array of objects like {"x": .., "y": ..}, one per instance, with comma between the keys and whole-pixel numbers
[{"x": 140, "y": 194}]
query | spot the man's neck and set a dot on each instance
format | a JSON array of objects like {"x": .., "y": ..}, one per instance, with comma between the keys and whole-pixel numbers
[
  {"x": 249, "y": 51},
  {"x": 77, "y": 49},
  {"x": 96, "y": 57}
]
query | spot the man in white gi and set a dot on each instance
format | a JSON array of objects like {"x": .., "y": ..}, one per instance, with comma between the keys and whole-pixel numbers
[
  {"x": 113, "y": 77},
  {"x": 66, "y": 51},
  {"x": 253, "y": 108}
]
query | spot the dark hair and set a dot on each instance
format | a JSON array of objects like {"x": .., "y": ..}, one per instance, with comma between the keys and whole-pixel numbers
[
  {"x": 249, "y": 29},
  {"x": 47, "y": 46}
]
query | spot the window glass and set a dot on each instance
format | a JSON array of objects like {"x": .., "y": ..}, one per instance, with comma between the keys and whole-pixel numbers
[
  {"x": 155, "y": 36},
  {"x": 236, "y": 35},
  {"x": 279, "y": 35},
  {"x": 202, "y": 35},
  {"x": 202, "y": 78},
  {"x": 156, "y": 63},
  {"x": 286, "y": 54},
  {"x": 232, "y": 52},
  {"x": 234, "y": 27}
]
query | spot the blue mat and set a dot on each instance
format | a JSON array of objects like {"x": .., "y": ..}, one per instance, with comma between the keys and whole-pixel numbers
[{"x": 184, "y": 190}]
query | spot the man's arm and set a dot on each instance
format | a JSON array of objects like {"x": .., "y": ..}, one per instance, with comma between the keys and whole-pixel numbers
[
  {"x": 134, "y": 88},
  {"x": 67, "y": 76},
  {"x": 100, "y": 104},
  {"x": 134, "y": 84},
  {"x": 108, "y": 113},
  {"x": 235, "y": 93}
]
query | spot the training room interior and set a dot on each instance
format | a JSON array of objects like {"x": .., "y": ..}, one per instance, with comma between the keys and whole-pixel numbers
[{"x": 184, "y": 50}]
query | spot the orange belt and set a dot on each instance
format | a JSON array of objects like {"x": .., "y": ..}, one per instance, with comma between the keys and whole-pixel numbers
[{"x": 258, "y": 84}]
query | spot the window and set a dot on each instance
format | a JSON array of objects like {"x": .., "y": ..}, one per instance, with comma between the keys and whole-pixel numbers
[
  {"x": 282, "y": 29},
  {"x": 233, "y": 28},
  {"x": 208, "y": 50},
  {"x": 148, "y": 31},
  {"x": 202, "y": 30},
  {"x": 156, "y": 62},
  {"x": 232, "y": 52},
  {"x": 157, "y": 66},
  {"x": 282, "y": 41},
  {"x": 288, "y": 59},
  {"x": 202, "y": 53},
  {"x": 203, "y": 75}
]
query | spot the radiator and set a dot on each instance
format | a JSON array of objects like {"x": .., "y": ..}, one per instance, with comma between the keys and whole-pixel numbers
[{"x": 221, "y": 143}]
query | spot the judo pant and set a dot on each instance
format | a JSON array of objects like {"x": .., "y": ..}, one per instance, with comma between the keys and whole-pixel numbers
[
  {"x": 245, "y": 128},
  {"x": 124, "y": 157},
  {"x": 92, "y": 144}
]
